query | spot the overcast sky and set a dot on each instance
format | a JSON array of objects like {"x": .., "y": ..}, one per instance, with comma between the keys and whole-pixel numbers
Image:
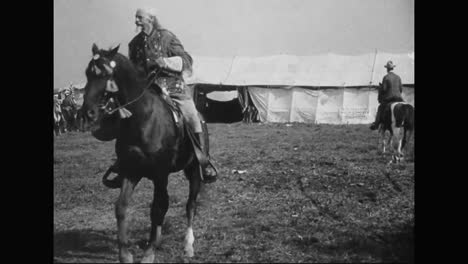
[{"x": 233, "y": 27}]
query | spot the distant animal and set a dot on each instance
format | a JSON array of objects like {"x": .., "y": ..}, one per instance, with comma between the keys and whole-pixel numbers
[{"x": 398, "y": 120}]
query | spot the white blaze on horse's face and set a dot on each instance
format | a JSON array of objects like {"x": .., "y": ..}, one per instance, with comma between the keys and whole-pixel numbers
[{"x": 111, "y": 86}]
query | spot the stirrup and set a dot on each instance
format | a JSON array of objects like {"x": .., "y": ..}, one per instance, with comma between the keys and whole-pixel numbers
[
  {"x": 209, "y": 178},
  {"x": 112, "y": 183},
  {"x": 213, "y": 173}
]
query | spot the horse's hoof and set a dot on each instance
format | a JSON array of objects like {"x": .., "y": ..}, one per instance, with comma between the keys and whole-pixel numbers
[
  {"x": 158, "y": 243},
  {"x": 148, "y": 257},
  {"x": 189, "y": 252},
  {"x": 126, "y": 258}
]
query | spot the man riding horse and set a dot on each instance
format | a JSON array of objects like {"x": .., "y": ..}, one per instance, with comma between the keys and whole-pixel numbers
[
  {"x": 158, "y": 51},
  {"x": 389, "y": 92}
]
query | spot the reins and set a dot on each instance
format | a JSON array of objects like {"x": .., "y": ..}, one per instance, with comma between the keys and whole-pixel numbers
[{"x": 135, "y": 99}]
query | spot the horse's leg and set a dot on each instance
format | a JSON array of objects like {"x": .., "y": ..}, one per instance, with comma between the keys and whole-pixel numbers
[
  {"x": 158, "y": 212},
  {"x": 400, "y": 144},
  {"x": 121, "y": 206},
  {"x": 406, "y": 141},
  {"x": 396, "y": 144},
  {"x": 389, "y": 144},
  {"x": 383, "y": 140},
  {"x": 193, "y": 174}
]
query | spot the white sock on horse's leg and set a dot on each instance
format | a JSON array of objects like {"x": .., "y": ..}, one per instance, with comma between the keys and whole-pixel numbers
[
  {"x": 158, "y": 236},
  {"x": 189, "y": 239}
]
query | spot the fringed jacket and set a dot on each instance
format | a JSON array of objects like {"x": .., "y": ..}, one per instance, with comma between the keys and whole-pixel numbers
[{"x": 160, "y": 43}]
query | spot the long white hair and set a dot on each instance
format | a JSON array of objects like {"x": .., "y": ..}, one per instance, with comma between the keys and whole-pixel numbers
[{"x": 152, "y": 14}]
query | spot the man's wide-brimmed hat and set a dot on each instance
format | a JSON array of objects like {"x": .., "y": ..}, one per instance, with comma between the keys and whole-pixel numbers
[{"x": 389, "y": 65}]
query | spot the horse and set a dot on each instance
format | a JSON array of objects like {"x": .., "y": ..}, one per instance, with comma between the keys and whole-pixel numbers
[
  {"x": 149, "y": 142},
  {"x": 59, "y": 121},
  {"x": 398, "y": 120}
]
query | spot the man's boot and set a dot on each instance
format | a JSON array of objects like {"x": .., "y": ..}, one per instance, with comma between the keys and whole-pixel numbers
[
  {"x": 376, "y": 123},
  {"x": 209, "y": 175}
]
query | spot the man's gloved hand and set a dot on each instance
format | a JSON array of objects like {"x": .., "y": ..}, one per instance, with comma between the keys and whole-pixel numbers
[
  {"x": 161, "y": 63},
  {"x": 170, "y": 65},
  {"x": 156, "y": 64}
]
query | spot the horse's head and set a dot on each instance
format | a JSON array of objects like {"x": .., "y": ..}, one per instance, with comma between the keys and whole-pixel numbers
[{"x": 101, "y": 91}]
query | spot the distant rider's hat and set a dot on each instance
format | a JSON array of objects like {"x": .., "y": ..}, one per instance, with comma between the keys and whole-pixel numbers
[{"x": 390, "y": 65}]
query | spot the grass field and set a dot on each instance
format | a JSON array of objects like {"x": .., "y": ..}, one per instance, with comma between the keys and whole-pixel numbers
[{"x": 310, "y": 193}]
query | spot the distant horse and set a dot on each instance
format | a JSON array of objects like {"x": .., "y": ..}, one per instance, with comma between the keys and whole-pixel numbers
[
  {"x": 149, "y": 143},
  {"x": 59, "y": 121},
  {"x": 398, "y": 120}
]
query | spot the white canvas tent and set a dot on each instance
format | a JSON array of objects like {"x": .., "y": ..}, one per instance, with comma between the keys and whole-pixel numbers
[{"x": 326, "y": 88}]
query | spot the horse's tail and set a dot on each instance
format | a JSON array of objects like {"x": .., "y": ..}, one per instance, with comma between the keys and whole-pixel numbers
[
  {"x": 404, "y": 115},
  {"x": 410, "y": 117},
  {"x": 408, "y": 124}
]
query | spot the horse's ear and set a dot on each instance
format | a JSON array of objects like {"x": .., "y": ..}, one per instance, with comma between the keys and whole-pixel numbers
[
  {"x": 114, "y": 51},
  {"x": 95, "y": 49}
]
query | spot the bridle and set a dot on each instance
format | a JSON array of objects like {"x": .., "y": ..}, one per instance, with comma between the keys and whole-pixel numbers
[{"x": 110, "y": 95}]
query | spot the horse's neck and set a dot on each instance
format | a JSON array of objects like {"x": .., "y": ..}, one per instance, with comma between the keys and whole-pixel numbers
[
  {"x": 147, "y": 102},
  {"x": 138, "y": 96}
]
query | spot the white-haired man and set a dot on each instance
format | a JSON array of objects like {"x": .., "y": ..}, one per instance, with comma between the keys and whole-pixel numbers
[{"x": 157, "y": 48}]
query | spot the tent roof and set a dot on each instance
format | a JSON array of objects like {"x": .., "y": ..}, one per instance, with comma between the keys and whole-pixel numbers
[{"x": 318, "y": 70}]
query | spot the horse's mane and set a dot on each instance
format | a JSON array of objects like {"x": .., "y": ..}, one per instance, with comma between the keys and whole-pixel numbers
[
  {"x": 127, "y": 73},
  {"x": 125, "y": 65}
]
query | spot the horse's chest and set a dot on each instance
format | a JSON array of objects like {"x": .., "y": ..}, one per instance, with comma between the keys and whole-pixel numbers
[{"x": 145, "y": 155}]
